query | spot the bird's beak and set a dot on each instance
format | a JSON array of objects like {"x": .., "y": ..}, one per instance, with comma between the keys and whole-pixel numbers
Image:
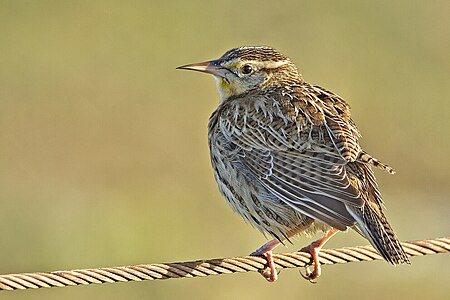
[{"x": 210, "y": 67}]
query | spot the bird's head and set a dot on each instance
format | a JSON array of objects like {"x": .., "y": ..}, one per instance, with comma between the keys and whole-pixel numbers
[{"x": 244, "y": 69}]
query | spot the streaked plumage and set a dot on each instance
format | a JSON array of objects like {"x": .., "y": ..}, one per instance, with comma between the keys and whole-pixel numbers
[{"x": 286, "y": 155}]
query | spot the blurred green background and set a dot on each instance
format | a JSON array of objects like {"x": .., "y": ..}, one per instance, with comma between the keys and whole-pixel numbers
[{"x": 103, "y": 148}]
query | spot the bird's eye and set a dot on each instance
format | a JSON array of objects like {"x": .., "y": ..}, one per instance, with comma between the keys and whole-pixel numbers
[{"x": 246, "y": 69}]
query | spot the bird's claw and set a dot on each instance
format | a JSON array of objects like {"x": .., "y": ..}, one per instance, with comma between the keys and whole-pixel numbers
[
  {"x": 270, "y": 273},
  {"x": 310, "y": 276}
]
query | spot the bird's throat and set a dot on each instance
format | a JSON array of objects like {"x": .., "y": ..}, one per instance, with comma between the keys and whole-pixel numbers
[{"x": 227, "y": 89}]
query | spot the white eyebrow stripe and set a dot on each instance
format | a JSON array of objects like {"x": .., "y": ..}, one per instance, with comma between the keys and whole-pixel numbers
[
  {"x": 275, "y": 64},
  {"x": 264, "y": 64}
]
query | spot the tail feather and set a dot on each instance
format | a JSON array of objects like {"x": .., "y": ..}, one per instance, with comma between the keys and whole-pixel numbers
[
  {"x": 377, "y": 229},
  {"x": 364, "y": 157},
  {"x": 370, "y": 219}
]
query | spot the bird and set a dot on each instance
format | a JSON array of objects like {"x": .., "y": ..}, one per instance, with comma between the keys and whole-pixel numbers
[{"x": 286, "y": 157}]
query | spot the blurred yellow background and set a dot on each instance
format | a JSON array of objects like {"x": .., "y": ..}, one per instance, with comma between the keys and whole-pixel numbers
[{"x": 103, "y": 148}]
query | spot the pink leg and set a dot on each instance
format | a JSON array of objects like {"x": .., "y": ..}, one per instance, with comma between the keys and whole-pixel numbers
[
  {"x": 314, "y": 249},
  {"x": 270, "y": 273}
]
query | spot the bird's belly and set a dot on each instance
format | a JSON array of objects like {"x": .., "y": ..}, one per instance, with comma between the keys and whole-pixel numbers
[{"x": 258, "y": 206}]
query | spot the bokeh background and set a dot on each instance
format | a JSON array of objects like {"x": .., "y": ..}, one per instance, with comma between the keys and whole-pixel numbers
[{"x": 103, "y": 148}]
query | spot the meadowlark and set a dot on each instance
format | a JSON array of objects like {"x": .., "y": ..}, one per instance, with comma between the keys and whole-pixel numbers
[{"x": 286, "y": 156}]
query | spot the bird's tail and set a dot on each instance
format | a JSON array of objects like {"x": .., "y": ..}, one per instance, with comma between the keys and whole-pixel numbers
[
  {"x": 365, "y": 157},
  {"x": 379, "y": 232}
]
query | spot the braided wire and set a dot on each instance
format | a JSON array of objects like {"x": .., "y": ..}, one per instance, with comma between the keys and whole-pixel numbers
[{"x": 203, "y": 268}]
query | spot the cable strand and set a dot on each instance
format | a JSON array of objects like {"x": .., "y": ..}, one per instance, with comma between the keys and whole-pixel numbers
[{"x": 203, "y": 268}]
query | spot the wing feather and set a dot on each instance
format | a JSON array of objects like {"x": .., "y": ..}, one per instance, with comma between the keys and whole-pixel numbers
[{"x": 303, "y": 163}]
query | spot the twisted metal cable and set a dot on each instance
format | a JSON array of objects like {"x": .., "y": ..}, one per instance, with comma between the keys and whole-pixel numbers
[{"x": 203, "y": 268}]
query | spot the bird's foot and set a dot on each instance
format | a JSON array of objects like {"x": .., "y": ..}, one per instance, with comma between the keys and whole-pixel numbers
[
  {"x": 309, "y": 275},
  {"x": 269, "y": 272},
  {"x": 313, "y": 249}
]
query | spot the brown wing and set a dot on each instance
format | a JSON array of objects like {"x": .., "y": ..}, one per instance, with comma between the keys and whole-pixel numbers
[
  {"x": 296, "y": 155},
  {"x": 342, "y": 129}
]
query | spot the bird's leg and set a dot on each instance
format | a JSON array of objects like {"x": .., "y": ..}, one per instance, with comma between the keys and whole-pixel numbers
[
  {"x": 314, "y": 249},
  {"x": 270, "y": 273}
]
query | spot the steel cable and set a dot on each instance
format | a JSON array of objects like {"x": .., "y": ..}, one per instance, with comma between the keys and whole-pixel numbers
[{"x": 203, "y": 268}]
